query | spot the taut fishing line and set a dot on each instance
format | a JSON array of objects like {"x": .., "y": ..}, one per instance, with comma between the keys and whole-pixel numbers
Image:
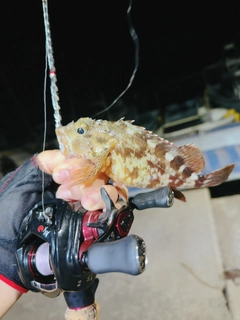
[
  {"x": 136, "y": 44},
  {"x": 45, "y": 119}
]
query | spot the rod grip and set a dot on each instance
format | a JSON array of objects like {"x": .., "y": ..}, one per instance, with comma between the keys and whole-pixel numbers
[{"x": 89, "y": 313}]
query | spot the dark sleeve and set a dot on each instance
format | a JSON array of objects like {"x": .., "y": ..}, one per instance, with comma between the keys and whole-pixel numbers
[{"x": 19, "y": 192}]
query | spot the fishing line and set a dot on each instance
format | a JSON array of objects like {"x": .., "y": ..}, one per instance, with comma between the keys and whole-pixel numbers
[
  {"x": 45, "y": 103},
  {"x": 45, "y": 119},
  {"x": 136, "y": 44}
]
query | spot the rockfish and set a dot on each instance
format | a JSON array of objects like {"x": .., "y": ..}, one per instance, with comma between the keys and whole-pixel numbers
[{"x": 132, "y": 156}]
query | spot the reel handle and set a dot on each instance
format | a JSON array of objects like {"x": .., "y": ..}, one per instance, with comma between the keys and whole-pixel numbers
[
  {"x": 127, "y": 255},
  {"x": 159, "y": 198}
]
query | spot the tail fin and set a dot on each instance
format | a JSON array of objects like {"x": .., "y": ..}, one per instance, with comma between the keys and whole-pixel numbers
[
  {"x": 211, "y": 179},
  {"x": 214, "y": 178}
]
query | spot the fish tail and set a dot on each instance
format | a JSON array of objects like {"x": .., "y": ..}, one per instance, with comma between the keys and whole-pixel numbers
[
  {"x": 192, "y": 180},
  {"x": 187, "y": 163},
  {"x": 214, "y": 178},
  {"x": 211, "y": 179}
]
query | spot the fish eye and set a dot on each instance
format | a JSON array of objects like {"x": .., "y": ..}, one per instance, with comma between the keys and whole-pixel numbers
[{"x": 80, "y": 130}]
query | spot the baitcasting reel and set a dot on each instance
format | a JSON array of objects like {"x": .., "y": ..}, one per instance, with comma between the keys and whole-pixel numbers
[{"x": 62, "y": 250}]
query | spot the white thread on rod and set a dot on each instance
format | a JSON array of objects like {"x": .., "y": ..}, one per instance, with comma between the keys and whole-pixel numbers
[{"x": 52, "y": 69}]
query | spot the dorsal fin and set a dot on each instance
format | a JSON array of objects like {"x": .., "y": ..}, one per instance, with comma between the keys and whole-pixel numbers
[{"x": 192, "y": 157}]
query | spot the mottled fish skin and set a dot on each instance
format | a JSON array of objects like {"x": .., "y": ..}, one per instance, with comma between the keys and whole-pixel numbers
[{"x": 136, "y": 157}]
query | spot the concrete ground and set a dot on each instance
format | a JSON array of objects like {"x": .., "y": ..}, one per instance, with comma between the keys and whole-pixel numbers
[{"x": 188, "y": 246}]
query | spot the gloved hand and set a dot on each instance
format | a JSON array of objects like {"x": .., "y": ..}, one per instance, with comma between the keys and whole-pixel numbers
[
  {"x": 19, "y": 191},
  {"x": 22, "y": 189}
]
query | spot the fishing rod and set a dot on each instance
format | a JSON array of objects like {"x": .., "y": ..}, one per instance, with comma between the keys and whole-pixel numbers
[
  {"x": 62, "y": 251},
  {"x": 51, "y": 66}
]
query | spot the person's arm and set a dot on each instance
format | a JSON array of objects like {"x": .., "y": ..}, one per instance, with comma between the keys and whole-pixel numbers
[{"x": 8, "y": 297}]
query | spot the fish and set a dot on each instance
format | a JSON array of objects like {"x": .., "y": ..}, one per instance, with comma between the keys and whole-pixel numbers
[{"x": 132, "y": 156}]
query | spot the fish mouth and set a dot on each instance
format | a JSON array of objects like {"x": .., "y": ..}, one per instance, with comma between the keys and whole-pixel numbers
[{"x": 63, "y": 142}]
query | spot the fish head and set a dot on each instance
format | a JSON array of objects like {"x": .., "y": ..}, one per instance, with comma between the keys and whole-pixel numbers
[
  {"x": 86, "y": 138},
  {"x": 75, "y": 139}
]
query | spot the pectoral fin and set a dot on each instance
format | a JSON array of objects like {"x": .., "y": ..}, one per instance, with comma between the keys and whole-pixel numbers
[
  {"x": 104, "y": 150},
  {"x": 88, "y": 171}
]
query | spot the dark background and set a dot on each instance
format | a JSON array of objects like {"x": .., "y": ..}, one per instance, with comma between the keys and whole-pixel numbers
[{"x": 94, "y": 57}]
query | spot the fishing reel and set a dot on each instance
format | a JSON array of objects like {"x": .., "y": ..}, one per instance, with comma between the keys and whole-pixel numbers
[{"x": 60, "y": 249}]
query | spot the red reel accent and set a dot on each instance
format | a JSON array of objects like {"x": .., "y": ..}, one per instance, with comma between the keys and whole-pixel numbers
[{"x": 89, "y": 234}]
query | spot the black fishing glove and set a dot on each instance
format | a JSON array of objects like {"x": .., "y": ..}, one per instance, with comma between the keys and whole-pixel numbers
[{"x": 19, "y": 192}]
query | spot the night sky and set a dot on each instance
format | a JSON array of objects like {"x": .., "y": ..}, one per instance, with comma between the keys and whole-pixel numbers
[{"x": 94, "y": 57}]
